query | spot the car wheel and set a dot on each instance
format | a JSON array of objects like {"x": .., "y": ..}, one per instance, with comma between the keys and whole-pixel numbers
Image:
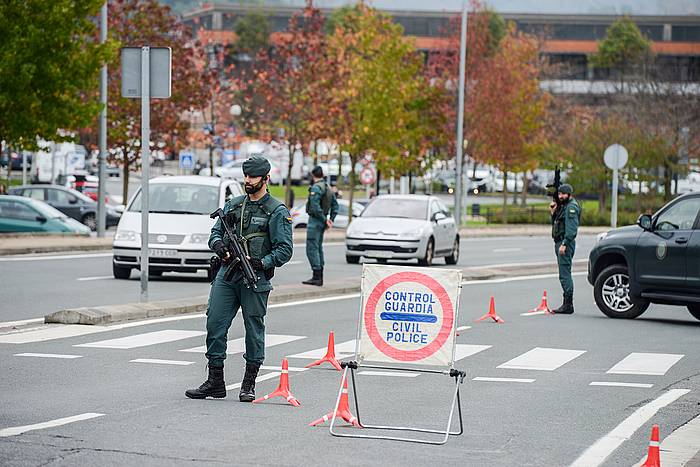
[
  {"x": 694, "y": 310},
  {"x": 352, "y": 259},
  {"x": 454, "y": 256},
  {"x": 427, "y": 260},
  {"x": 90, "y": 220},
  {"x": 611, "y": 294},
  {"x": 120, "y": 272}
]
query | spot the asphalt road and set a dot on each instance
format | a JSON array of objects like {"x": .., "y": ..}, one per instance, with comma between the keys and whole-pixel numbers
[
  {"x": 40, "y": 284},
  {"x": 137, "y": 413}
]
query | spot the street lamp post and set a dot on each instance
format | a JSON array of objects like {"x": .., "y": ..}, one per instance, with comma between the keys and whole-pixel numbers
[{"x": 460, "y": 116}]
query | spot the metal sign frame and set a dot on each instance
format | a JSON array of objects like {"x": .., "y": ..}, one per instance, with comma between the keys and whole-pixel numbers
[{"x": 353, "y": 365}]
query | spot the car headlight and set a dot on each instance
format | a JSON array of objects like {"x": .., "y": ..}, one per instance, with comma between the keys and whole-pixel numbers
[
  {"x": 126, "y": 236},
  {"x": 199, "y": 238},
  {"x": 601, "y": 236},
  {"x": 414, "y": 233}
]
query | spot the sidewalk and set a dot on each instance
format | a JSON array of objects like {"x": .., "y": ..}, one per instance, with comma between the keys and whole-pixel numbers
[{"x": 18, "y": 244}]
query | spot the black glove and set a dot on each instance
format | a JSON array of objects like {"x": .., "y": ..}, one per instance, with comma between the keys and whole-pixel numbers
[
  {"x": 219, "y": 249},
  {"x": 257, "y": 264}
]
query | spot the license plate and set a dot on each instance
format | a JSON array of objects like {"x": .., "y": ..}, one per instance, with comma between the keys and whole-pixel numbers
[
  {"x": 162, "y": 253},
  {"x": 380, "y": 254}
]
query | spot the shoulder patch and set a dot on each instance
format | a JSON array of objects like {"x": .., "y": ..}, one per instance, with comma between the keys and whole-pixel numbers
[{"x": 289, "y": 219}]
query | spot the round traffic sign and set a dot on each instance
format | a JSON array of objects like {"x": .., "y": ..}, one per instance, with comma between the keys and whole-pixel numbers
[
  {"x": 615, "y": 156},
  {"x": 408, "y": 316},
  {"x": 367, "y": 176}
]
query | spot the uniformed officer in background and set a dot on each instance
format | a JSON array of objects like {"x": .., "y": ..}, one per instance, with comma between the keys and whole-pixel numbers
[
  {"x": 566, "y": 215},
  {"x": 322, "y": 207},
  {"x": 265, "y": 226}
]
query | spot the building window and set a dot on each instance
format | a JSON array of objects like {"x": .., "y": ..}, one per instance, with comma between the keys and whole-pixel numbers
[
  {"x": 568, "y": 66},
  {"x": 685, "y": 33}
]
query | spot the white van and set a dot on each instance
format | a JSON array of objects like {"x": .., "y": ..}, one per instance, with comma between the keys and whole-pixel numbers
[{"x": 57, "y": 159}]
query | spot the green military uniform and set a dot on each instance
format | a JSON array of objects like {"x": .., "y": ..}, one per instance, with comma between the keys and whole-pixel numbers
[
  {"x": 265, "y": 225},
  {"x": 316, "y": 226},
  {"x": 565, "y": 222}
]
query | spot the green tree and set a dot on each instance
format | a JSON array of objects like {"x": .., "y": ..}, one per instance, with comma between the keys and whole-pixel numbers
[
  {"x": 252, "y": 33},
  {"x": 624, "y": 48},
  {"x": 49, "y": 64}
]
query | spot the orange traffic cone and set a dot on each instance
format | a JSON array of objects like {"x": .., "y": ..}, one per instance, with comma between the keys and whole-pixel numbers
[
  {"x": 543, "y": 306},
  {"x": 653, "y": 459},
  {"x": 283, "y": 388},
  {"x": 330, "y": 355},
  {"x": 492, "y": 313},
  {"x": 343, "y": 410}
]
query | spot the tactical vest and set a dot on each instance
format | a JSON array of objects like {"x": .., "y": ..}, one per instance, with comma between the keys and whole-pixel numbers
[
  {"x": 326, "y": 197},
  {"x": 559, "y": 226},
  {"x": 251, "y": 221}
]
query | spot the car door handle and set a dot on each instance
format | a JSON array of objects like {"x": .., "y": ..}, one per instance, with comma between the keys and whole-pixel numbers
[{"x": 682, "y": 240}]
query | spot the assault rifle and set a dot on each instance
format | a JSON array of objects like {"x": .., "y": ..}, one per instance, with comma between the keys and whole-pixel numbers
[
  {"x": 553, "y": 188},
  {"x": 239, "y": 258}
]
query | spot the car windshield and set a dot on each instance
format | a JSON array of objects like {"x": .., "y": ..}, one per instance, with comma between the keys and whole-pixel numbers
[
  {"x": 45, "y": 210},
  {"x": 397, "y": 207},
  {"x": 169, "y": 198}
]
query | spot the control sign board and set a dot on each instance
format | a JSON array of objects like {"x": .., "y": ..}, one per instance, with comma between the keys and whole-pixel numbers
[{"x": 408, "y": 315}]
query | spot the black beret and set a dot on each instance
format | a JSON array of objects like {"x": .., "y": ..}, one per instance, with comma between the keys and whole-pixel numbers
[
  {"x": 566, "y": 189},
  {"x": 256, "y": 166}
]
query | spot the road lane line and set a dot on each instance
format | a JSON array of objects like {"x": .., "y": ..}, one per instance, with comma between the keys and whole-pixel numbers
[
  {"x": 542, "y": 359},
  {"x": 616, "y": 384},
  {"x": 315, "y": 300},
  {"x": 143, "y": 340},
  {"x": 398, "y": 374},
  {"x": 504, "y": 380},
  {"x": 279, "y": 368},
  {"x": 259, "y": 379},
  {"x": 95, "y": 278},
  {"x": 509, "y": 265},
  {"x": 681, "y": 446},
  {"x": 161, "y": 362},
  {"x": 463, "y": 328},
  {"x": 342, "y": 350},
  {"x": 652, "y": 364},
  {"x": 467, "y": 350},
  {"x": 519, "y": 278},
  {"x": 533, "y": 313},
  {"x": 236, "y": 346},
  {"x": 47, "y": 355},
  {"x": 506, "y": 250},
  {"x": 600, "y": 450},
  {"x": 18, "y": 430},
  {"x": 44, "y": 258}
]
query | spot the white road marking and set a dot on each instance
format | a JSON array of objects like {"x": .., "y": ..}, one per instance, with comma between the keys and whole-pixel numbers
[
  {"x": 94, "y": 278},
  {"x": 463, "y": 328},
  {"x": 533, "y": 313},
  {"x": 398, "y": 374},
  {"x": 238, "y": 345},
  {"x": 315, "y": 300},
  {"x": 504, "y": 380},
  {"x": 654, "y": 364},
  {"x": 519, "y": 278},
  {"x": 161, "y": 362},
  {"x": 259, "y": 379},
  {"x": 279, "y": 368},
  {"x": 22, "y": 322},
  {"x": 680, "y": 446},
  {"x": 342, "y": 350},
  {"x": 143, "y": 340},
  {"x": 467, "y": 350},
  {"x": 597, "y": 453},
  {"x": 533, "y": 264},
  {"x": 18, "y": 430},
  {"x": 506, "y": 250},
  {"x": 542, "y": 359},
  {"x": 47, "y": 355},
  {"x": 45, "y": 258},
  {"x": 616, "y": 384}
]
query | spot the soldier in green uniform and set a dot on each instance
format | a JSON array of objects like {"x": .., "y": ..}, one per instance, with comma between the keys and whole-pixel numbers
[
  {"x": 265, "y": 226},
  {"x": 322, "y": 207},
  {"x": 566, "y": 215}
]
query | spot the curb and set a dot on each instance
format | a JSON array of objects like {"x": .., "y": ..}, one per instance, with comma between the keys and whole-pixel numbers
[{"x": 109, "y": 314}]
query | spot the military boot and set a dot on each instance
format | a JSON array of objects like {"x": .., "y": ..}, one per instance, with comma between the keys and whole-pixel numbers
[
  {"x": 247, "y": 393},
  {"x": 214, "y": 386},
  {"x": 317, "y": 278},
  {"x": 567, "y": 308}
]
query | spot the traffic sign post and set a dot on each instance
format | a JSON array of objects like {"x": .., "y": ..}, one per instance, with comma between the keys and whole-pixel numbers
[
  {"x": 615, "y": 158},
  {"x": 367, "y": 178},
  {"x": 186, "y": 160},
  {"x": 407, "y": 323}
]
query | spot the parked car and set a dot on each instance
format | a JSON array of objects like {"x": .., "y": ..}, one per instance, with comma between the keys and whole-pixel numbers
[
  {"x": 179, "y": 225},
  {"x": 300, "y": 218},
  {"x": 403, "y": 227},
  {"x": 234, "y": 170},
  {"x": 655, "y": 261},
  {"x": 16, "y": 160},
  {"x": 20, "y": 214},
  {"x": 70, "y": 202}
]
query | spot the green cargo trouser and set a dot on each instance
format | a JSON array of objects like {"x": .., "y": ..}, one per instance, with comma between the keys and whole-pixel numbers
[
  {"x": 224, "y": 300},
  {"x": 314, "y": 243},
  {"x": 564, "y": 262}
]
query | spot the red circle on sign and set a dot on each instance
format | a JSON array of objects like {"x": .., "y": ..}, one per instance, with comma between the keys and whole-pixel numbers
[
  {"x": 371, "y": 322},
  {"x": 367, "y": 176}
]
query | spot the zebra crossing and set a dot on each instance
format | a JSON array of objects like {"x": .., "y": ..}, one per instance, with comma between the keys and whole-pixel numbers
[{"x": 531, "y": 359}]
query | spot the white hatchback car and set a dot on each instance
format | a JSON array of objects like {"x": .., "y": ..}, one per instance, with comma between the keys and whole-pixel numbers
[
  {"x": 300, "y": 217},
  {"x": 403, "y": 227},
  {"x": 234, "y": 169},
  {"x": 178, "y": 222}
]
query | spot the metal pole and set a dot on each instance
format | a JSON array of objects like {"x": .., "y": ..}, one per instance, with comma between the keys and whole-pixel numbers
[
  {"x": 460, "y": 117},
  {"x": 613, "y": 213},
  {"x": 53, "y": 162},
  {"x": 24, "y": 167},
  {"x": 145, "y": 164},
  {"x": 101, "y": 169}
]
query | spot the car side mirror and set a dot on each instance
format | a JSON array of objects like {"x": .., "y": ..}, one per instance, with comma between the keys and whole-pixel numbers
[
  {"x": 41, "y": 219},
  {"x": 645, "y": 222},
  {"x": 438, "y": 216},
  {"x": 72, "y": 200}
]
